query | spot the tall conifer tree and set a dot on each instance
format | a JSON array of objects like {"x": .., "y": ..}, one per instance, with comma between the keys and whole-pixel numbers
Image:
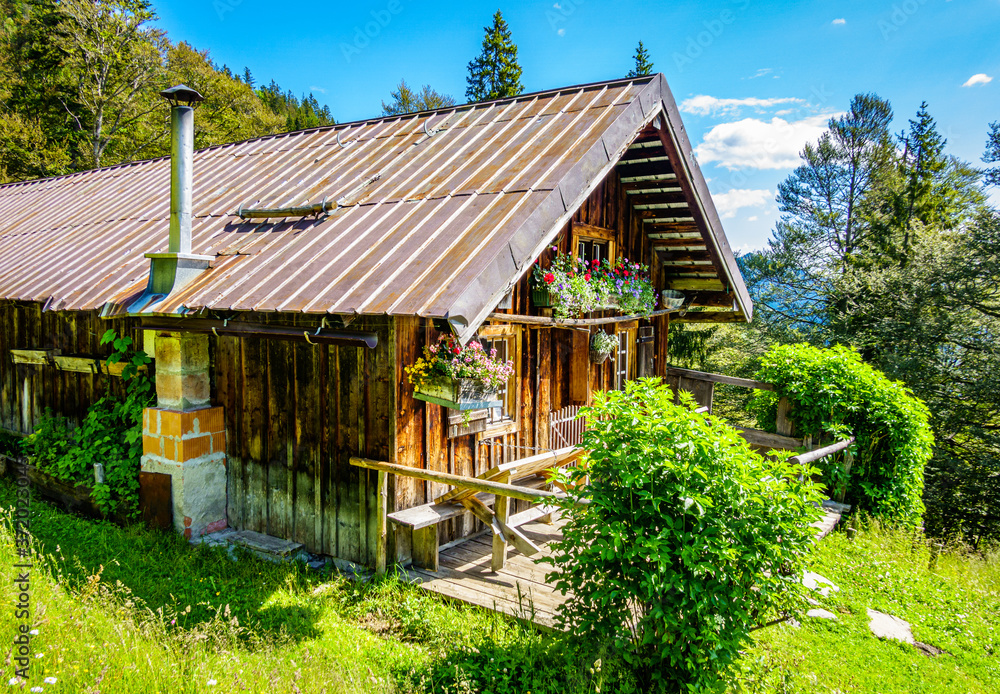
[
  {"x": 495, "y": 74},
  {"x": 643, "y": 65}
]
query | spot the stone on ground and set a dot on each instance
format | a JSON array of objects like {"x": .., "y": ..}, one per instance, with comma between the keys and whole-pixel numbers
[
  {"x": 821, "y": 614},
  {"x": 812, "y": 581},
  {"x": 885, "y": 626}
]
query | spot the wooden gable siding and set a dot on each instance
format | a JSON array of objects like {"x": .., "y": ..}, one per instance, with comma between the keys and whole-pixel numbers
[
  {"x": 27, "y": 390},
  {"x": 295, "y": 414},
  {"x": 549, "y": 360}
]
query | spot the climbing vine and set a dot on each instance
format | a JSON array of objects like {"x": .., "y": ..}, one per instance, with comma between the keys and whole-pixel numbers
[
  {"x": 832, "y": 391},
  {"x": 108, "y": 439}
]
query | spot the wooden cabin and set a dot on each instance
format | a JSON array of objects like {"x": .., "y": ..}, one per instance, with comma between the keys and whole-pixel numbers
[{"x": 281, "y": 354}]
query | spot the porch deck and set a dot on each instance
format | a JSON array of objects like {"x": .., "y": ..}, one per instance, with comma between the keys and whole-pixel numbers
[{"x": 519, "y": 589}]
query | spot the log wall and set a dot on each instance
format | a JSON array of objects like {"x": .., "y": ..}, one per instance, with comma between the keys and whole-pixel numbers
[
  {"x": 295, "y": 414},
  {"x": 27, "y": 390}
]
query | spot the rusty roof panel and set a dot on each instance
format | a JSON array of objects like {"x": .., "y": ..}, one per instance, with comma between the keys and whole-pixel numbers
[{"x": 438, "y": 211}]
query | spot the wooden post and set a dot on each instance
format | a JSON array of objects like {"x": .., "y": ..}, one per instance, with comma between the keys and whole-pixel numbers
[
  {"x": 425, "y": 548},
  {"x": 848, "y": 463},
  {"x": 782, "y": 424},
  {"x": 381, "y": 537},
  {"x": 501, "y": 507}
]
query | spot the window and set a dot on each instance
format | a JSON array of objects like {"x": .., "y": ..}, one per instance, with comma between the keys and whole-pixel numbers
[
  {"x": 504, "y": 345},
  {"x": 592, "y": 243},
  {"x": 591, "y": 250},
  {"x": 622, "y": 360}
]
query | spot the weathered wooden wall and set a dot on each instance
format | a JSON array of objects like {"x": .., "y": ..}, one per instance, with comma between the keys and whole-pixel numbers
[
  {"x": 553, "y": 363},
  {"x": 295, "y": 414},
  {"x": 26, "y": 391}
]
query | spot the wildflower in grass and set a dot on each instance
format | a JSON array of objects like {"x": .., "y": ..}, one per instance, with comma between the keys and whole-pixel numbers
[
  {"x": 37, "y": 689},
  {"x": 212, "y": 683},
  {"x": 14, "y": 681},
  {"x": 50, "y": 680},
  {"x": 33, "y": 632},
  {"x": 39, "y": 655}
]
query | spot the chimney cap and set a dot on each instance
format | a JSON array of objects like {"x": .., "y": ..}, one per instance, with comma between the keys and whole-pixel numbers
[{"x": 182, "y": 95}]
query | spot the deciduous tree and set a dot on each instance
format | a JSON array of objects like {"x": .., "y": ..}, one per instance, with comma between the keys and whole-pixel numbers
[{"x": 406, "y": 100}]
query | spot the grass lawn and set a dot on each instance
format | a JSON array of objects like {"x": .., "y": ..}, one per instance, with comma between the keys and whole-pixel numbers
[
  {"x": 955, "y": 607},
  {"x": 133, "y": 610}
]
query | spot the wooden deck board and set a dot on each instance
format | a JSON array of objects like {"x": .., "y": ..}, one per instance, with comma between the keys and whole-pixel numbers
[{"x": 518, "y": 590}]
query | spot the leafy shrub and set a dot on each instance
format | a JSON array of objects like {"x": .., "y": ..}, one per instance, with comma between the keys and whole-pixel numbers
[
  {"x": 687, "y": 538},
  {"x": 10, "y": 444},
  {"x": 110, "y": 434},
  {"x": 832, "y": 390}
]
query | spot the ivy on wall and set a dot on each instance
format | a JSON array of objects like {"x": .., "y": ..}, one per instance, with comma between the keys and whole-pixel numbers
[{"x": 110, "y": 435}]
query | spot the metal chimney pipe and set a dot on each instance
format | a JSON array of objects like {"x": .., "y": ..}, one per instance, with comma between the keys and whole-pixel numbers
[
  {"x": 171, "y": 271},
  {"x": 181, "y": 176}
]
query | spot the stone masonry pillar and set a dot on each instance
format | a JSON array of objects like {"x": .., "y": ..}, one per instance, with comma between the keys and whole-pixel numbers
[{"x": 184, "y": 436}]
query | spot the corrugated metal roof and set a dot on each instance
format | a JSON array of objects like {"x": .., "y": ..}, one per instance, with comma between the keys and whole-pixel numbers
[{"x": 438, "y": 211}]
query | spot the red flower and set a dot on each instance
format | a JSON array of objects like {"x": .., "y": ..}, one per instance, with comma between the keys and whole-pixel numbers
[
  {"x": 457, "y": 350},
  {"x": 626, "y": 273},
  {"x": 595, "y": 262},
  {"x": 587, "y": 277},
  {"x": 549, "y": 278}
]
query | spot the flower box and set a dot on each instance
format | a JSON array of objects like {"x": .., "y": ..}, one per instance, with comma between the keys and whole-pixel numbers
[
  {"x": 457, "y": 394},
  {"x": 541, "y": 297}
]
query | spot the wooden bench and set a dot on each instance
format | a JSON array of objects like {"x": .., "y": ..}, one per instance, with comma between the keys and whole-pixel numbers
[{"x": 492, "y": 509}]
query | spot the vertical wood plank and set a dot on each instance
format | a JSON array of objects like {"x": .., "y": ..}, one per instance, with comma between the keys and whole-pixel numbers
[{"x": 383, "y": 496}]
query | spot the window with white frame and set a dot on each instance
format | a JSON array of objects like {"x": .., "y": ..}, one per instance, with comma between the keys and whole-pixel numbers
[
  {"x": 623, "y": 359},
  {"x": 504, "y": 345}
]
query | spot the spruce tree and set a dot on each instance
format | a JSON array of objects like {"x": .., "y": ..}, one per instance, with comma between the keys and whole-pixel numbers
[
  {"x": 992, "y": 155},
  {"x": 643, "y": 65},
  {"x": 495, "y": 74}
]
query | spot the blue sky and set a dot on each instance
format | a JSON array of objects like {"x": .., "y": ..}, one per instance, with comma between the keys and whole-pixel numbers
[{"x": 755, "y": 79}]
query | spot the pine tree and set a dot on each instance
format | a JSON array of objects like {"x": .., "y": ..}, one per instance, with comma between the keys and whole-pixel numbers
[
  {"x": 643, "y": 65},
  {"x": 495, "y": 74}
]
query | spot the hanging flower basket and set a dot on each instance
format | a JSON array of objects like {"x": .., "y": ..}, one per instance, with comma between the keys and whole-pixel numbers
[
  {"x": 457, "y": 394},
  {"x": 457, "y": 377},
  {"x": 598, "y": 357},
  {"x": 602, "y": 344}
]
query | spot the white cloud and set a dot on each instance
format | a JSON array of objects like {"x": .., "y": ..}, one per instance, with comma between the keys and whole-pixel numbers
[
  {"x": 728, "y": 203},
  {"x": 761, "y": 72},
  {"x": 704, "y": 105},
  {"x": 840, "y": 21},
  {"x": 317, "y": 89},
  {"x": 757, "y": 144},
  {"x": 561, "y": 32},
  {"x": 752, "y": 218},
  {"x": 977, "y": 79}
]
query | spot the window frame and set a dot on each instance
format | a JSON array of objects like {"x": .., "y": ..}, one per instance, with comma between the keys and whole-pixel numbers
[
  {"x": 508, "y": 423},
  {"x": 588, "y": 232}
]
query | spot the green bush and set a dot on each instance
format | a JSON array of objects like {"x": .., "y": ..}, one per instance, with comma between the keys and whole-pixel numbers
[
  {"x": 686, "y": 539},
  {"x": 833, "y": 391},
  {"x": 110, "y": 434}
]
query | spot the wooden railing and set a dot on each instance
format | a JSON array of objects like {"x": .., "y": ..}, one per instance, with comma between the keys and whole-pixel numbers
[{"x": 496, "y": 481}]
